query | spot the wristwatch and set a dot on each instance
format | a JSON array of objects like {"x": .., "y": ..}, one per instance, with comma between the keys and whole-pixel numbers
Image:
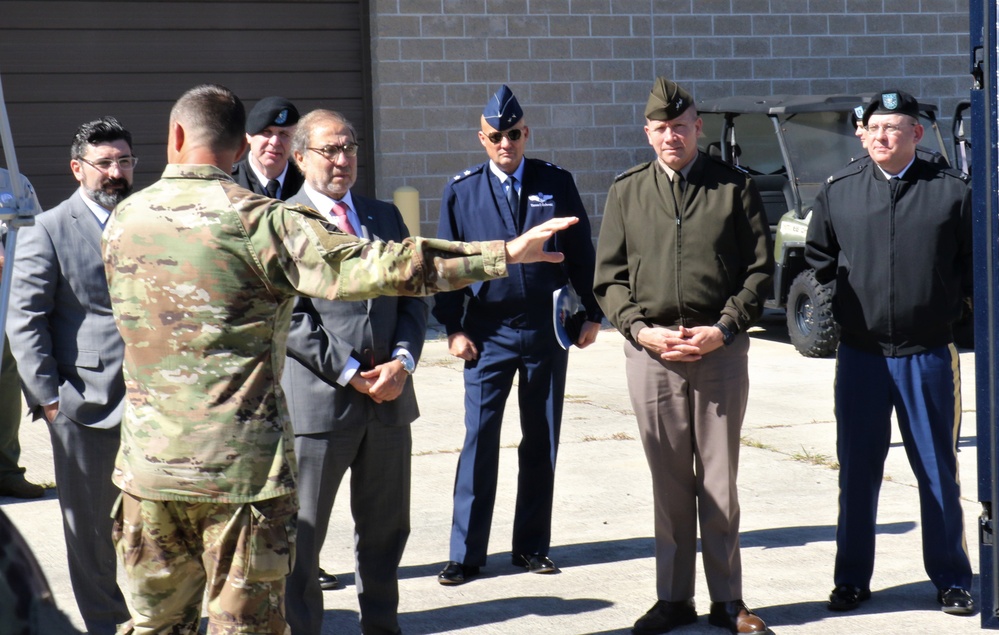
[
  {"x": 727, "y": 334},
  {"x": 407, "y": 362}
]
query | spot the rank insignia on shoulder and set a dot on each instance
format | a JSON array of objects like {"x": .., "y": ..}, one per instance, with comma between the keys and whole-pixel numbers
[{"x": 330, "y": 227}]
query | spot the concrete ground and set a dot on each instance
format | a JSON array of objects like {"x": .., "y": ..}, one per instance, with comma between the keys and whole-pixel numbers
[{"x": 603, "y": 512}]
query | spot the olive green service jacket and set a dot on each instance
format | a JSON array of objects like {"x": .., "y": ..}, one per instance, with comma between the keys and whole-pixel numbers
[{"x": 710, "y": 263}]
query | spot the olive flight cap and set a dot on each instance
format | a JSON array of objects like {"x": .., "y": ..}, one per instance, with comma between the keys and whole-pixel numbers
[
  {"x": 892, "y": 102},
  {"x": 502, "y": 111},
  {"x": 667, "y": 100},
  {"x": 271, "y": 111}
]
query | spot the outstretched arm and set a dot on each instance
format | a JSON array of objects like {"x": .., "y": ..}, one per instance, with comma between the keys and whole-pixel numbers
[{"x": 530, "y": 246}]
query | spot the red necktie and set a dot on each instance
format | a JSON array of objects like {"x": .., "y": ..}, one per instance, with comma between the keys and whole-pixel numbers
[{"x": 342, "y": 220}]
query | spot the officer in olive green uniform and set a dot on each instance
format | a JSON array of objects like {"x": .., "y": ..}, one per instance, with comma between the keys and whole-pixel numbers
[
  {"x": 202, "y": 275},
  {"x": 683, "y": 266}
]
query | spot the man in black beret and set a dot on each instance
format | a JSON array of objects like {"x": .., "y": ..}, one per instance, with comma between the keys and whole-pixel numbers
[
  {"x": 266, "y": 169},
  {"x": 893, "y": 232},
  {"x": 684, "y": 263}
]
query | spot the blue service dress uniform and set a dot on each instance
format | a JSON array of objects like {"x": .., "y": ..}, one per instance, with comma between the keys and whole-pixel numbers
[
  {"x": 899, "y": 252},
  {"x": 510, "y": 322}
]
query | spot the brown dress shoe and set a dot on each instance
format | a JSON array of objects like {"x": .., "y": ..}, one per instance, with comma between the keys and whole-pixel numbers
[
  {"x": 22, "y": 489},
  {"x": 736, "y": 617}
]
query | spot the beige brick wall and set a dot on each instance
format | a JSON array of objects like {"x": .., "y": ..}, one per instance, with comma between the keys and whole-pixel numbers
[{"x": 582, "y": 71}]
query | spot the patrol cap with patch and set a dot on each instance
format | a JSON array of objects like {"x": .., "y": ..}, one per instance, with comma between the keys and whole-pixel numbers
[
  {"x": 667, "y": 100},
  {"x": 502, "y": 111},
  {"x": 892, "y": 102},
  {"x": 271, "y": 111}
]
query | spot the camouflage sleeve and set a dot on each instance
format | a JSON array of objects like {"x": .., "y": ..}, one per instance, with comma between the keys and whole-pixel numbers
[{"x": 321, "y": 261}]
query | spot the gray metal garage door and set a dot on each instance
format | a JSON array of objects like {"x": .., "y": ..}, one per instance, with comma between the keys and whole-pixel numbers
[{"x": 65, "y": 62}]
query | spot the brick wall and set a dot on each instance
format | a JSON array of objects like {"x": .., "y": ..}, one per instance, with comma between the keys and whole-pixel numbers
[{"x": 582, "y": 70}]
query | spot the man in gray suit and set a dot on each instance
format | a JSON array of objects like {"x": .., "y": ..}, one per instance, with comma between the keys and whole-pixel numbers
[
  {"x": 350, "y": 395},
  {"x": 69, "y": 356}
]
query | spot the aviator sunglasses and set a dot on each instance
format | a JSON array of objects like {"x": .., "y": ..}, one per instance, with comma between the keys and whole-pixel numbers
[{"x": 512, "y": 135}]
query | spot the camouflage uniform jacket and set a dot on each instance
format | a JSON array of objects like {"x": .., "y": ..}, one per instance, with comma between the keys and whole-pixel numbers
[{"x": 202, "y": 275}]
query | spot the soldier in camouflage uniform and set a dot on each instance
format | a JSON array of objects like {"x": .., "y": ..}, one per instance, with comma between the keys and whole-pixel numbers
[{"x": 202, "y": 275}]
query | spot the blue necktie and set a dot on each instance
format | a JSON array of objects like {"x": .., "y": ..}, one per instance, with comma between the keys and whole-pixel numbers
[
  {"x": 272, "y": 188},
  {"x": 512, "y": 197}
]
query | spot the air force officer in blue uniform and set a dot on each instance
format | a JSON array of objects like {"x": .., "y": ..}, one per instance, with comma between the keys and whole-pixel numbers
[{"x": 503, "y": 328}]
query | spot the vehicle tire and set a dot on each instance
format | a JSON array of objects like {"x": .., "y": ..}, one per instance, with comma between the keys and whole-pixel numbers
[{"x": 810, "y": 323}]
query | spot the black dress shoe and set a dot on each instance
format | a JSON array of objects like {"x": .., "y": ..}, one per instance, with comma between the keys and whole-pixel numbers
[
  {"x": 956, "y": 601},
  {"x": 847, "y": 597},
  {"x": 736, "y": 617},
  {"x": 22, "y": 489},
  {"x": 665, "y": 616},
  {"x": 456, "y": 573},
  {"x": 327, "y": 581},
  {"x": 533, "y": 563}
]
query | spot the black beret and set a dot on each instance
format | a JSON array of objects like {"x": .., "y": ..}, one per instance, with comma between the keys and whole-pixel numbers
[
  {"x": 502, "y": 111},
  {"x": 857, "y": 116},
  {"x": 667, "y": 100},
  {"x": 892, "y": 102},
  {"x": 271, "y": 111}
]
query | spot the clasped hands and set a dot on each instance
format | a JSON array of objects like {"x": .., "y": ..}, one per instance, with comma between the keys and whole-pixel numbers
[
  {"x": 382, "y": 383},
  {"x": 683, "y": 345},
  {"x": 462, "y": 346}
]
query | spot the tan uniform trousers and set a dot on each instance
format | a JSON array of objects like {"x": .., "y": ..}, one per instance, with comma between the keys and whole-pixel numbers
[{"x": 690, "y": 419}]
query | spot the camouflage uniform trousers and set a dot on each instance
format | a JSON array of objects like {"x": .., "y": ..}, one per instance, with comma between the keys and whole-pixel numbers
[{"x": 233, "y": 556}]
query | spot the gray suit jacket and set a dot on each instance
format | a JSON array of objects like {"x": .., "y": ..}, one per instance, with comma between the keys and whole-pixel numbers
[
  {"x": 59, "y": 323},
  {"x": 324, "y": 334}
]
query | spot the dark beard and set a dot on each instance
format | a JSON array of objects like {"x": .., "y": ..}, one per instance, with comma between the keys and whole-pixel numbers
[{"x": 107, "y": 199}]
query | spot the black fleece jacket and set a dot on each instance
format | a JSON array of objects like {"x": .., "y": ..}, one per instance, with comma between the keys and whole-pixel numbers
[{"x": 900, "y": 257}]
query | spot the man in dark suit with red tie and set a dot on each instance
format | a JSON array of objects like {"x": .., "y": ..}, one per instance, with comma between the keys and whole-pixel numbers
[
  {"x": 350, "y": 396},
  {"x": 266, "y": 169}
]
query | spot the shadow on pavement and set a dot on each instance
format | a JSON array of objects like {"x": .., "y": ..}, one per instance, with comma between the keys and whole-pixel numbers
[
  {"x": 476, "y": 614},
  {"x": 915, "y": 596},
  {"x": 780, "y": 537},
  {"x": 577, "y": 555}
]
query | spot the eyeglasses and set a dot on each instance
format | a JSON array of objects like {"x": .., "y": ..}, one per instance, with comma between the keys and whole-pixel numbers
[
  {"x": 512, "y": 135},
  {"x": 104, "y": 165},
  {"x": 331, "y": 152},
  {"x": 890, "y": 129}
]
